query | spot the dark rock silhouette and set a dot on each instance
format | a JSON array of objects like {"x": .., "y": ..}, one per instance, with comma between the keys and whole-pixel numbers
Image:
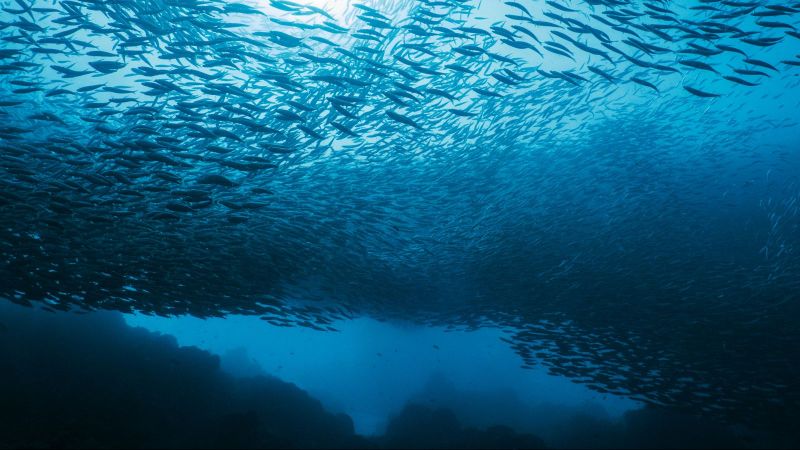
[
  {"x": 92, "y": 381},
  {"x": 418, "y": 426}
]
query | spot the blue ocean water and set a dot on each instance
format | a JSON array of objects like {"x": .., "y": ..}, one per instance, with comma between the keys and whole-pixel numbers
[
  {"x": 393, "y": 223},
  {"x": 369, "y": 370}
]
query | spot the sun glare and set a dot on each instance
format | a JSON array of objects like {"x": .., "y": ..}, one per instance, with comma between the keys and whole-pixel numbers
[{"x": 335, "y": 9}]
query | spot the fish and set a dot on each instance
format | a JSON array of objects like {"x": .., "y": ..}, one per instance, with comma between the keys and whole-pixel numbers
[
  {"x": 739, "y": 81},
  {"x": 397, "y": 117},
  {"x": 646, "y": 83},
  {"x": 759, "y": 63},
  {"x": 699, "y": 93},
  {"x": 214, "y": 179},
  {"x": 697, "y": 65},
  {"x": 66, "y": 72}
]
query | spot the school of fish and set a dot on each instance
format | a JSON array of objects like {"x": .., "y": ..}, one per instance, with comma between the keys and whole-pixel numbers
[{"x": 613, "y": 182}]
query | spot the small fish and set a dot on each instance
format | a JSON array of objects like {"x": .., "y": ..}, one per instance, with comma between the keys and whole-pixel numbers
[
  {"x": 214, "y": 179},
  {"x": 700, "y": 93},
  {"x": 645, "y": 83},
  {"x": 397, "y": 117}
]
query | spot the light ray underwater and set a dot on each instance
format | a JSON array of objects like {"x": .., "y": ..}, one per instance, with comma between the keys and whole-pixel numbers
[{"x": 607, "y": 188}]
